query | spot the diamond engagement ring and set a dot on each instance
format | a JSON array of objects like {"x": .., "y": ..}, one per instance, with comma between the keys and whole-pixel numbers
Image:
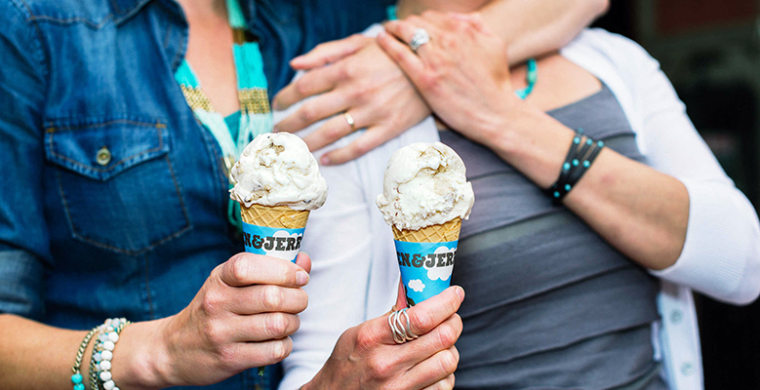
[{"x": 419, "y": 38}]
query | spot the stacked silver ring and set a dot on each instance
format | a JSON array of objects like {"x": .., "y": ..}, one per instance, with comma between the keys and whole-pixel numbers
[
  {"x": 419, "y": 38},
  {"x": 401, "y": 329}
]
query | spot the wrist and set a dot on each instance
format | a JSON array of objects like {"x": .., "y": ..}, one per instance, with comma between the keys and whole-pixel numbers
[
  {"x": 533, "y": 142},
  {"x": 141, "y": 361}
]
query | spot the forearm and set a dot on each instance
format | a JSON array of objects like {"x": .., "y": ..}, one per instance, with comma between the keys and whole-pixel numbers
[
  {"x": 638, "y": 210},
  {"x": 38, "y": 356},
  {"x": 534, "y": 27}
]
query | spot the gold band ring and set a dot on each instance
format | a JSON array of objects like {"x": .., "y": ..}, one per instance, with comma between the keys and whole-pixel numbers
[{"x": 350, "y": 120}]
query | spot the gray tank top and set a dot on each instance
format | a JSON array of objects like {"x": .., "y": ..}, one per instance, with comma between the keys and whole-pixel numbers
[{"x": 549, "y": 305}]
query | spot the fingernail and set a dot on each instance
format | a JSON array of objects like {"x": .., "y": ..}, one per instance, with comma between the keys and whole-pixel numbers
[
  {"x": 302, "y": 278},
  {"x": 325, "y": 160},
  {"x": 460, "y": 292},
  {"x": 275, "y": 129},
  {"x": 276, "y": 105}
]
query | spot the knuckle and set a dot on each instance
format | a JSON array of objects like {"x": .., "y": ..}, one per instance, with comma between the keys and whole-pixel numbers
[
  {"x": 347, "y": 72},
  {"x": 380, "y": 366},
  {"x": 448, "y": 362},
  {"x": 307, "y": 113},
  {"x": 430, "y": 81},
  {"x": 360, "y": 148},
  {"x": 228, "y": 354},
  {"x": 421, "y": 319},
  {"x": 333, "y": 133},
  {"x": 240, "y": 267},
  {"x": 447, "y": 335},
  {"x": 276, "y": 325},
  {"x": 366, "y": 339},
  {"x": 212, "y": 302},
  {"x": 281, "y": 349},
  {"x": 301, "y": 86},
  {"x": 301, "y": 300},
  {"x": 271, "y": 297},
  {"x": 212, "y": 333}
]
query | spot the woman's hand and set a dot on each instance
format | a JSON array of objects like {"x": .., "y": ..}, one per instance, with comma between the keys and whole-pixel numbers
[
  {"x": 366, "y": 357},
  {"x": 461, "y": 72},
  {"x": 352, "y": 75},
  {"x": 241, "y": 318}
]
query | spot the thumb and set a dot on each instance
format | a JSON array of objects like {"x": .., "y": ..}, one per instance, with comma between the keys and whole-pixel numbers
[
  {"x": 401, "y": 297},
  {"x": 304, "y": 261}
]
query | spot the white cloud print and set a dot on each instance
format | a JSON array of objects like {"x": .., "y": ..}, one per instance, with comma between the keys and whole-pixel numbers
[
  {"x": 416, "y": 285},
  {"x": 443, "y": 273},
  {"x": 283, "y": 254}
]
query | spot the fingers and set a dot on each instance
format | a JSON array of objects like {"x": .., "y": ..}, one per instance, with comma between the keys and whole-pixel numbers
[
  {"x": 445, "y": 384},
  {"x": 262, "y": 327},
  {"x": 304, "y": 261},
  {"x": 423, "y": 318},
  {"x": 400, "y": 52},
  {"x": 401, "y": 296},
  {"x": 245, "y": 269},
  {"x": 314, "y": 110},
  {"x": 267, "y": 298},
  {"x": 246, "y": 355},
  {"x": 434, "y": 372},
  {"x": 428, "y": 314},
  {"x": 443, "y": 337},
  {"x": 370, "y": 139},
  {"x": 309, "y": 84},
  {"x": 329, "y": 52}
]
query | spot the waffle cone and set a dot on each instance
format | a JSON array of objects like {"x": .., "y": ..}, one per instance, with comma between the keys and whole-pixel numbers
[
  {"x": 445, "y": 232},
  {"x": 274, "y": 216}
]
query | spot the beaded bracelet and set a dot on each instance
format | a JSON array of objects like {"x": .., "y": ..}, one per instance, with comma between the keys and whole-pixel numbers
[
  {"x": 76, "y": 377},
  {"x": 581, "y": 154},
  {"x": 102, "y": 353}
]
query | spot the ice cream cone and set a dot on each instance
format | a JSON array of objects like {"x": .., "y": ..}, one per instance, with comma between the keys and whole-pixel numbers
[
  {"x": 445, "y": 232},
  {"x": 282, "y": 217}
]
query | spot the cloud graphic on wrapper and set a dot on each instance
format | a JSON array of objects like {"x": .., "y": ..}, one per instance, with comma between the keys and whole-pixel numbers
[
  {"x": 416, "y": 285},
  {"x": 443, "y": 273},
  {"x": 285, "y": 255}
]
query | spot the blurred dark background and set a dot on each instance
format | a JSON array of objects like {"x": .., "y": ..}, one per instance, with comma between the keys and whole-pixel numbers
[{"x": 710, "y": 50}]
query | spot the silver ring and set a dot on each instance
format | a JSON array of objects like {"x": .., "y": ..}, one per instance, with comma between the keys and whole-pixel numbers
[
  {"x": 350, "y": 120},
  {"x": 401, "y": 330},
  {"x": 408, "y": 334},
  {"x": 398, "y": 337},
  {"x": 419, "y": 38}
]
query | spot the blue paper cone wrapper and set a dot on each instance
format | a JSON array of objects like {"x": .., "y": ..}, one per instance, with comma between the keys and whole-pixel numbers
[
  {"x": 425, "y": 268},
  {"x": 276, "y": 242}
]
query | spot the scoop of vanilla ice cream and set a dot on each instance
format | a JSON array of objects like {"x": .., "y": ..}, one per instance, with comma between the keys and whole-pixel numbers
[
  {"x": 425, "y": 185},
  {"x": 277, "y": 169}
]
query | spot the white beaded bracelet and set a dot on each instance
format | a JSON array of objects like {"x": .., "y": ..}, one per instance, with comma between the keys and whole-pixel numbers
[{"x": 103, "y": 353}]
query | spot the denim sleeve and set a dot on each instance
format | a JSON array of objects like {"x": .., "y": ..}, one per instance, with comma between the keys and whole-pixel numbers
[{"x": 24, "y": 243}]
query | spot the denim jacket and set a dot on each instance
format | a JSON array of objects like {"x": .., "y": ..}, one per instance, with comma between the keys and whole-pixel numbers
[{"x": 113, "y": 198}]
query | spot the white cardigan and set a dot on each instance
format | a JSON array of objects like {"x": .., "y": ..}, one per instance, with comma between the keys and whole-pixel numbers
[{"x": 354, "y": 276}]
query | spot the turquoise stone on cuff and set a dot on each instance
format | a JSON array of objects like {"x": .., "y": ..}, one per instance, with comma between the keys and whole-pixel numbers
[
  {"x": 586, "y": 164},
  {"x": 556, "y": 194},
  {"x": 566, "y": 166},
  {"x": 76, "y": 378},
  {"x": 568, "y": 187},
  {"x": 78, "y": 386},
  {"x": 575, "y": 162}
]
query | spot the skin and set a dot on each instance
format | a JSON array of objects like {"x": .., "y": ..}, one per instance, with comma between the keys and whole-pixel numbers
[
  {"x": 352, "y": 75},
  {"x": 246, "y": 310},
  {"x": 641, "y": 212}
]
